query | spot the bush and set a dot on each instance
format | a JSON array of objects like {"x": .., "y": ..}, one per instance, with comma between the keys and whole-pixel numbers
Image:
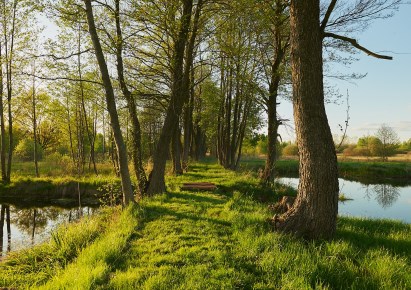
[
  {"x": 25, "y": 150},
  {"x": 290, "y": 150}
]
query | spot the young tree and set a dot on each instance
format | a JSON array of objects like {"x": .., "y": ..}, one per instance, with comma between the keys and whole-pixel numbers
[
  {"x": 177, "y": 100},
  {"x": 389, "y": 141},
  {"x": 111, "y": 106}
]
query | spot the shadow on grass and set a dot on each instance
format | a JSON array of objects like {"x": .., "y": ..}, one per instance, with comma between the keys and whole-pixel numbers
[
  {"x": 376, "y": 234},
  {"x": 195, "y": 198},
  {"x": 257, "y": 192},
  {"x": 156, "y": 211}
]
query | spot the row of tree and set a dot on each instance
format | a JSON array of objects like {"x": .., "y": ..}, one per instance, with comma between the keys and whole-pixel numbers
[{"x": 177, "y": 78}]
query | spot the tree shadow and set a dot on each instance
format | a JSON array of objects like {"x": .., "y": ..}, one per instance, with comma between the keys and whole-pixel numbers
[{"x": 375, "y": 234}]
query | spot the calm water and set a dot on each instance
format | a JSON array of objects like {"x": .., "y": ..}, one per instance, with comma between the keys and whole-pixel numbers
[
  {"x": 30, "y": 226},
  {"x": 382, "y": 201}
]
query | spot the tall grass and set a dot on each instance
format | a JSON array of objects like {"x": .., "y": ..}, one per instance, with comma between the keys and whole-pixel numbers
[{"x": 221, "y": 240}]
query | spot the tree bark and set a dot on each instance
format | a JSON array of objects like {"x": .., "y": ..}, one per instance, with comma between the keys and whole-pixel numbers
[
  {"x": 111, "y": 106},
  {"x": 314, "y": 213}
]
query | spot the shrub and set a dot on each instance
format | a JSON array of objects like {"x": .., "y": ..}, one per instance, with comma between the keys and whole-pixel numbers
[
  {"x": 25, "y": 150},
  {"x": 290, "y": 150}
]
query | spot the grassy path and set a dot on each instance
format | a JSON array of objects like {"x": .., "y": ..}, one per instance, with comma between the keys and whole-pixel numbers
[{"x": 221, "y": 240}]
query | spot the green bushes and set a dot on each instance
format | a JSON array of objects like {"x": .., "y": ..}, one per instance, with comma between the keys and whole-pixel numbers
[{"x": 25, "y": 150}]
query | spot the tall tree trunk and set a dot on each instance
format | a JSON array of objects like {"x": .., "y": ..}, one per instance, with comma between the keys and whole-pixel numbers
[
  {"x": 314, "y": 212},
  {"x": 2, "y": 216},
  {"x": 9, "y": 65},
  {"x": 188, "y": 84},
  {"x": 2, "y": 127},
  {"x": 111, "y": 106},
  {"x": 36, "y": 164},
  {"x": 91, "y": 137},
  {"x": 157, "y": 182},
  {"x": 281, "y": 42},
  {"x": 136, "y": 129}
]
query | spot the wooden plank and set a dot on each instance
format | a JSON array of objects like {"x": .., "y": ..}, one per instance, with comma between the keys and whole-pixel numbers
[{"x": 198, "y": 186}]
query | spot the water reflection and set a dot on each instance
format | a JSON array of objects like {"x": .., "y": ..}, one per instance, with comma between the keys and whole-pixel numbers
[
  {"x": 5, "y": 216},
  {"x": 386, "y": 201},
  {"x": 30, "y": 226},
  {"x": 387, "y": 194}
]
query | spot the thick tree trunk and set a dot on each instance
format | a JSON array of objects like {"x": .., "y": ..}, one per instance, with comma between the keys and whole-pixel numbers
[
  {"x": 111, "y": 106},
  {"x": 314, "y": 212},
  {"x": 156, "y": 181}
]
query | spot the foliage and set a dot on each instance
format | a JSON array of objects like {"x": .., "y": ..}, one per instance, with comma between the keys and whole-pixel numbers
[
  {"x": 389, "y": 141},
  {"x": 25, "y": 150},
  {"x": 290, "y": 150}
]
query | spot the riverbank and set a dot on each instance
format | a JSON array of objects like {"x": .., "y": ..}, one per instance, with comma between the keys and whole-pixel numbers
[
  {"x": 363, "y": 171},
  {"x": 211, "y": 240},
  {"x": 62, "y": 191}
]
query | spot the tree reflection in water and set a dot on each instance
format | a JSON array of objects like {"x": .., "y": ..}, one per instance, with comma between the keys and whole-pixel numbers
[
  {"x": 386, "y": 194},
  {"x": 5, "y": 217},
  {"x": 33, "y": 225}
]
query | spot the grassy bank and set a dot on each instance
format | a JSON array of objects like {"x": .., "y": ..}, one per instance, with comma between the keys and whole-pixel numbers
[
  {"x": 212, "y": 240},
  {"x": 60, "y": 190},
  {"x": 363, "y": 171}
]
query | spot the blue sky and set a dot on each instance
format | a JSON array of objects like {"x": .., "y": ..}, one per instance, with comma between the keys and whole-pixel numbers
[{"x": 384, "y": 95}]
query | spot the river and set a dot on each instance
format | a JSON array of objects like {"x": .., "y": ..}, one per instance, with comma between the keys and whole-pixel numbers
[
  {"x": 25, "y": 227},
  {"x": 376, "y": 201}
]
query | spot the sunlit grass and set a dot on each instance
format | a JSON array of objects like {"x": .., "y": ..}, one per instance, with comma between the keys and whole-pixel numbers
[{"x": 221, "y": 240}]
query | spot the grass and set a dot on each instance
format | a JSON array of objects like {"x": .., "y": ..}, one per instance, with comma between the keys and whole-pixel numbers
[{"x": 214, "y": 240}]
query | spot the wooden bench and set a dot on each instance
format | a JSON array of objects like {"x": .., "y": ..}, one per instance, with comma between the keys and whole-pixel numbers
[{"x": 198, "y": 186}]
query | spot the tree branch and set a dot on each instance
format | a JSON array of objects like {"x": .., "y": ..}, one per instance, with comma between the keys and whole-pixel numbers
[
  {"x": 356, "y": 45},
  {"x": 55, "y": 57},
  {"x": 61, "y": 78},
  {"x": 327, "y": 15}
]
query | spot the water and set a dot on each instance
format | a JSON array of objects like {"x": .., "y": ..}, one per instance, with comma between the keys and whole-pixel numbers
[
  {"x": 30, "y": 226},
  {"x": 377, "y": 201}
]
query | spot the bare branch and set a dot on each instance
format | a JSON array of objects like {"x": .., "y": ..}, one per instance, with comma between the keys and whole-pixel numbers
[
  {"x": 327, "y": 15},
  {"x": 356, "y": 45},
  {"x": 55, "y": 57},
  {"x": 61, "y": 78}
]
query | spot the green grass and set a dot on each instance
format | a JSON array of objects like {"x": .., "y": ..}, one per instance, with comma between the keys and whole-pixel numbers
[
  {"x": 57, "y": 168},
  {"x": 219, "y": 240}
]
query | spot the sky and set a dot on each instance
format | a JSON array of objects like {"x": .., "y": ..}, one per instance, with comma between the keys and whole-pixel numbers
[{"x": 384, "y": 95}]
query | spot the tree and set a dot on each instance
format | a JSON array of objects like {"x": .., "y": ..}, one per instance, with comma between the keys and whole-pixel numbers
[
  {"x": 131, "y": 104},
  {"x": 175, "y": 105},
  {"x": 389, "y": 141},
  {"x": 111, "y": 106},
  {"x": 314, "y": 212}
]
